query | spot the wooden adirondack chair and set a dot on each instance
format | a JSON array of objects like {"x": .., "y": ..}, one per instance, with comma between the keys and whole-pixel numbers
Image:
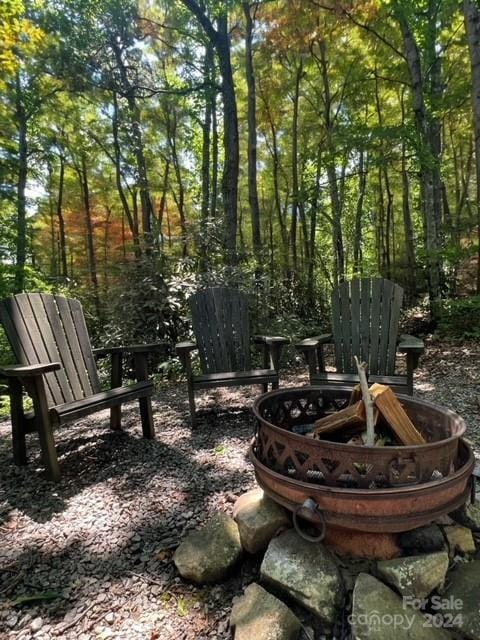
[
  {"x": 57, "y": 368},
  {"x": 365, "y": 318},
  {"x": 221, "y": 327}
]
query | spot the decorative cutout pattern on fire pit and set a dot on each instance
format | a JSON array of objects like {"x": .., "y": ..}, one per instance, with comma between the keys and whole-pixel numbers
[{"x": 284, "y": 416}]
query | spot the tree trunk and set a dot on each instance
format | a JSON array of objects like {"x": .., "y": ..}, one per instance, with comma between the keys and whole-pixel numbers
[
  {"x": 92, "y": 261},
  {"x": 295, "y": 193},
  {"x": 220, "y": 39},
  {"x": 407, "y": 217},
  {"x": 61, "y": 220},
  {"x": 252, "y": 136},
  {"x": 357, "y": 240},
  {"x": 471, "y": 13},
  {"x": 427, "y": 158},
  {"x": 206, "y": 142},
  {"x": 171, "y": 122},
  {"x": 21, "y": 248},
  {"x": 138, "y": 148},
  {"x": 336, "y": 203},
  {"x": 118, "y": 179}
]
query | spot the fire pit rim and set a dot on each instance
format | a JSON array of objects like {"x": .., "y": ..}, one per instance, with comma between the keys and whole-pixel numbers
[
  {"x": 370, "y": 493},
  {"x": 458, "y": 420}
]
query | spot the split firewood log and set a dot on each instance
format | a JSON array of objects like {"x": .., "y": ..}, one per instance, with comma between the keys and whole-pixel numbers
[{"x": 394, "y": 415}]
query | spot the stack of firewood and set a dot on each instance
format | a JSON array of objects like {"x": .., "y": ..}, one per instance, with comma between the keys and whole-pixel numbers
[{"x": 391, "y": 424}]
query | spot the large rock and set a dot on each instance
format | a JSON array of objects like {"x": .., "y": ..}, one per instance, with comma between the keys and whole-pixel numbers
[
  {"x": 305, "y": 571},
  {"x": 208, "y": 554},
  {"x": 426, "y": 539},
  {"x": 463, "y": 591},
  {"x": 380, "y": 614},
  {"x": 258, "y": 519},
  {"x": 415, "y": 576},
  {"x": 460, "y": 539},
  {"x": 468, "y": 515},
  {"x": 258, "y": 615}
]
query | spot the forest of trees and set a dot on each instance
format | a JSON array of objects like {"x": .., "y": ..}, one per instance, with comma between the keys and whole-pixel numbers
[{"x": 149, "y": 145}]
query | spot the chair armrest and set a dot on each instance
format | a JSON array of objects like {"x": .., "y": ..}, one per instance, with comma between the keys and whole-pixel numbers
[
  {"x": 182, "y": 348},
  {"x": 133, "y": 348},
  {"x": 314, "y": 342},
  {"x": 28, "y": 370},
  {"x": 280, "y": 340},
  {"x": 407, "y": 343}
]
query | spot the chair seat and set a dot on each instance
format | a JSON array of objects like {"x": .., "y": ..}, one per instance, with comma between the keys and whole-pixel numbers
[
  {"x": 235, "y": 378},
  {"x": 69, "y": 411},
  {"x": 398, "y": 383}
]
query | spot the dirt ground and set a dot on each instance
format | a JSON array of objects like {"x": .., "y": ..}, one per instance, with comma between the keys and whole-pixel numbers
[{"x": 95, "y": 550}]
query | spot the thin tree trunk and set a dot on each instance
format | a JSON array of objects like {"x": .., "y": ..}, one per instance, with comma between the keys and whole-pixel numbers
[
  {"x": 295, "y": 193},
  {"x": 357, "y": 240},
  {"x": 138, "y": 147},
  {"x": 61, "y": 220},
  {"x": 426, "y": 161},
  {"x": 21, "y": 248},
  {"x": 471, "y": 13},
  {"x": 118, "y": 179},
  {"x": 171, "y": 121},
  {"x": 163, "y": 201},
  {"x": 336, "y": 204},
  {"x": 206, "y": 143},
  {"x": 92, "y": 261},
  {"x": 220, "y": 39},
  {"x": 407, "y": 216},
  {"x": 252, "y": 136}
]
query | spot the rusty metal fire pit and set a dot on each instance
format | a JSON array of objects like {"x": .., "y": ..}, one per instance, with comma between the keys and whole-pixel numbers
[{"x": 373, "y": 489}]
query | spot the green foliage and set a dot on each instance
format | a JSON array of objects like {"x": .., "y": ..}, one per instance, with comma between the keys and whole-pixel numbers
[{"x": 460, "y": 318}]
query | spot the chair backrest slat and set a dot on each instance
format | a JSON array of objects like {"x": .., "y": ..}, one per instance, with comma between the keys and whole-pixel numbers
[
  {"x": 365, "y": 317},
  {"x": 46, "y": 328},
  {"x": 221, "y": 328}
]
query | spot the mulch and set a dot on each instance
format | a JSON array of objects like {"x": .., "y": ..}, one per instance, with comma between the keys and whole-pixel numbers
[{"x": 96, "y": 549}]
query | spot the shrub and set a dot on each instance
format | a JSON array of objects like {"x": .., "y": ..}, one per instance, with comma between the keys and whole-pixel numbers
[{"x": 460, "y": 318}]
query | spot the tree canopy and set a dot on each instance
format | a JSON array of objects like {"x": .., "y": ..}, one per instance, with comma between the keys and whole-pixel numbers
[{"x": 283, "y": 144}]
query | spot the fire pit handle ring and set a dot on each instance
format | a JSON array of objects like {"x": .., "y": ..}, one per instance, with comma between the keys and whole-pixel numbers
[{"x": 311, "y": 506}]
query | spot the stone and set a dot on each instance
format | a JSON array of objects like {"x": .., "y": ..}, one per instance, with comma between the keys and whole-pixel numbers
[
  {"x": 460, "y": 539},
  {"x": 380, "y": 614},
  {"x": 463, "y": 591},
  {"x": 258, "y": 518},
  {"x": 306, "y": 572},
  {"x": 209, "y": 553},
  {"x": 36, "y": 624},
  {"x": 468, "y": 516},
  {"x": 426, "y": 539},
  {"x": 258, "y": 615},
  {"x": 415, "y": 576},
  {"x": 362, "y": 544}
]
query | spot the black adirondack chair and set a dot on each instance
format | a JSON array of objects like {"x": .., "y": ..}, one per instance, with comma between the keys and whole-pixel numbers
[
  {"x": 365, "y": 318},
  {"x": 57, "y": 368},
  {"x": 221, "y": 327}
]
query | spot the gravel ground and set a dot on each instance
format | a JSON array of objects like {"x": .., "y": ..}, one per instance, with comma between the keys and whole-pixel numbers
[{"x": 99, "y": 543}]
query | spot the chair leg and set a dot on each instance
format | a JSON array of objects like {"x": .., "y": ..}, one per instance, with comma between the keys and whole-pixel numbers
[
  {"x": 147, "y": 418},
  {"x": 264, "y": 387},
  {"x": 191, "y": 403},
  {"x": 116, "y": 381},
  {"x": 275, "y": 385},
  {"x": 145, "y": 403},
  {"x": 18, "y": 422},
  {"x": 44, "y": 427}
]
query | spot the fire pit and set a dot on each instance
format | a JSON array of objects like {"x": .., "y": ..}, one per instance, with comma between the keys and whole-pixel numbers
[{"x": 372, "y": 489}]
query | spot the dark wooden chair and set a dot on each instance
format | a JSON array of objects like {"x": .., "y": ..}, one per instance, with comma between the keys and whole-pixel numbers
[
  {"x": 57, "y": 368},
  {"x": 365, "y": 319},
  {"x": 221, "y": 327}
]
